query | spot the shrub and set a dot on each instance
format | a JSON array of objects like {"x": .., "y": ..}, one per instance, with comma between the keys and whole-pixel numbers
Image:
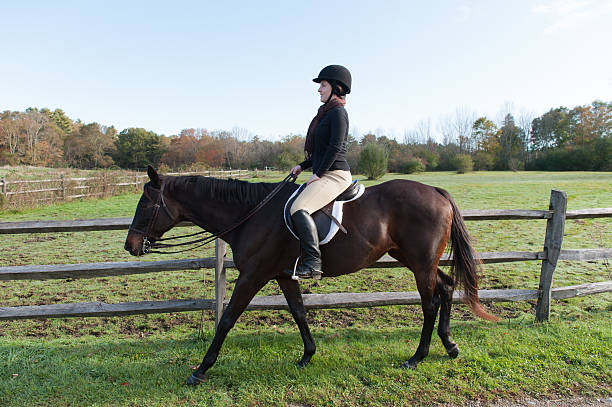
[
  {"x": 483, "y": 161},
  {"x": 429, "y": 158},
  {"x": 413, "y": 165},
  {"x": 462, "y": 163},
  {"x": 514, "y": 164},
  {"x": 373, "y": 161}
]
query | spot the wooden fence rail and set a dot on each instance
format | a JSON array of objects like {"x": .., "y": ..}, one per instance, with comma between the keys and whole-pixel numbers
[
  {"x": 109, "y": 269},
  {"x": 59, "y": 189},
  {"x": 552, "y": 252}
]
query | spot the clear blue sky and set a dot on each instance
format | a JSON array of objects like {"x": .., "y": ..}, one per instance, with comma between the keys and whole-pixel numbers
[{"x": 166, "y": 66}]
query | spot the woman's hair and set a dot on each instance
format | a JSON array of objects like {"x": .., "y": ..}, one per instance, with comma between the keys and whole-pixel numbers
[{"x": 337, "y": 88}]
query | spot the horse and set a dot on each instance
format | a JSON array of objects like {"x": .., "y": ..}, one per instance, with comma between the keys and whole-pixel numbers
[{"x": 410, "y": 221}]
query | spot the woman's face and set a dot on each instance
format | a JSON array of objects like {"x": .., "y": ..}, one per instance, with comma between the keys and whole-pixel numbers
[{"x": 325, "y": 90}]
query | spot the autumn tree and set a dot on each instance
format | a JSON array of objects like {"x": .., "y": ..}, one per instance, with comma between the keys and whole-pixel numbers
[
  {"x": 10, "y": 129},
  {"x": 90, "y": 146},
  {"x": 33, "y": 124},
  {"x": 485, "y": 139},
  {"x": 181, "y": 150}
]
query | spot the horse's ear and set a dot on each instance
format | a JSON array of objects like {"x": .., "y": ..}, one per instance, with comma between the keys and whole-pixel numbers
[{"x": 153, "y": 175}]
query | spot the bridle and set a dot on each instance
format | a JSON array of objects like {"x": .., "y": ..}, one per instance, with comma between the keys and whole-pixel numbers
[
  {"x": 157, "y": 204},
  {"x": 148, "y": 246}
]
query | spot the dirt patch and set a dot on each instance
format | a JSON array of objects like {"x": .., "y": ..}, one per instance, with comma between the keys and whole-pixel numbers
[{"x": 532, "y": 402}]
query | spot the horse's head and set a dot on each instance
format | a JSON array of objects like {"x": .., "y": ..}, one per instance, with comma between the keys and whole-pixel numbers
[{"x": 153, "y": 216}]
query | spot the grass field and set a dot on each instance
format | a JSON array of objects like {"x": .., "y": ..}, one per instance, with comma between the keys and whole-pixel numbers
[{"x": 144, "y": 360}]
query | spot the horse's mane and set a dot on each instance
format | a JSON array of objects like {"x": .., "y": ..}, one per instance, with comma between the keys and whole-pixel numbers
[{"x": 229, "y": 191}]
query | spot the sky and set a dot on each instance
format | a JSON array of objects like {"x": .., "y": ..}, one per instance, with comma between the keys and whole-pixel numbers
[{"x": 223, "y": 65}]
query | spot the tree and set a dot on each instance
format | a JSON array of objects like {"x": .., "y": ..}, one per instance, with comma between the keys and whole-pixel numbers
[
  {"x": 181, "y": 150},
  {"x": 10, "y": 128},
  {"x": 446, "y": 129},
  {"x": 484, "y": 133},
  {"x": 62, "y": 121},
  {"x": 90, "y": 146},
  {"x": 353, "y": 150},
  {"x": 524, "y": 123},
  {"x": 368, "y": 139},
  {"x": 212, "y": 154},
  {"x": 462, "y": 128},
  {"x": 137, "y": 147},
  {"x": 511, "y": 145},
  {"x": 423, "y": 131},
  {"x": 33, "y": 124},
  {"x": 373, "y": 161},
  {"x": 291, "y": 151},
  {"x": 551, "y": 130}
]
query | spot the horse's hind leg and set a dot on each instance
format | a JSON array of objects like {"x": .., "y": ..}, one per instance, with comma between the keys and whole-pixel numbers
[
  {"x": 293, "y": 295},
  {"x": 430, "y": 301},
  {"x": 444, "y": 290}
]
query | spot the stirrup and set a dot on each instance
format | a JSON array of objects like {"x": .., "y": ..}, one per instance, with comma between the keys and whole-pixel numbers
[{"x": 314, "y": 274}]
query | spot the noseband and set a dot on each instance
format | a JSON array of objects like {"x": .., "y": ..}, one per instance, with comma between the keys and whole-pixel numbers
[
  {"x": 159, "y": 203},
  {"x": 147, "y": 245}
]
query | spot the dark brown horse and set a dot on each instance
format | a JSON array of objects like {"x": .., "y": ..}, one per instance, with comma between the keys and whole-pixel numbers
[{"x": 410, "y": 221}]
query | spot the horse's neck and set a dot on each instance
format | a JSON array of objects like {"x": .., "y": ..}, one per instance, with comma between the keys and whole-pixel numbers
[{"x": 210, "y": 213}]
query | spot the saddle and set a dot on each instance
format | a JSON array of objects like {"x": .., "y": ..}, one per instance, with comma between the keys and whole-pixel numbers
[{"x": 329, "y": 218}]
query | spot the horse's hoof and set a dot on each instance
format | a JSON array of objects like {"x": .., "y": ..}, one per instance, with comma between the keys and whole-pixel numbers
[
  {"x": 194, "y": 380},
  {"x": 302, "y": 363},
  {"x": 453, "y": 352},
  {"x": 409, "y": 365}
]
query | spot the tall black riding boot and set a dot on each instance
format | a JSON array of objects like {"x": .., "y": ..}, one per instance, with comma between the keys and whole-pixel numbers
[{"x": 306, "y": 229}]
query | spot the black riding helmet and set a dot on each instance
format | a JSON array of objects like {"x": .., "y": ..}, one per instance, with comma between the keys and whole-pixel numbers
[{"x": 335, "y": 73}]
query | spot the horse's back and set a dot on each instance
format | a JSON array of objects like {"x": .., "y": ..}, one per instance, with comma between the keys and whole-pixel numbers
[{"x": 408, "y": 196}]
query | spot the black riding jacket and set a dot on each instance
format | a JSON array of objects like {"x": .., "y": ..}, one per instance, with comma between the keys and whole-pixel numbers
[{"x": 330, "y": 137}]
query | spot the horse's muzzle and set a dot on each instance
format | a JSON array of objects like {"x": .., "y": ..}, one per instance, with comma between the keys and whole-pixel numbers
[{"x": 134, "y": 244}]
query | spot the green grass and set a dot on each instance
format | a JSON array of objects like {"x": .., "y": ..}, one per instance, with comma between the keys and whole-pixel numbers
[
  {"x": 144, "y": 360},
  {"x": 352, "y": 367}
]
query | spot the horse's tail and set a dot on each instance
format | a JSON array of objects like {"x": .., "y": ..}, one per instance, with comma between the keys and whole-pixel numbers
[{"x": 466, "y": 265}]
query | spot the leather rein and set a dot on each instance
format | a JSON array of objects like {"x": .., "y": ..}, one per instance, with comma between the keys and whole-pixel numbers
[{"x": 148, "y": 246}]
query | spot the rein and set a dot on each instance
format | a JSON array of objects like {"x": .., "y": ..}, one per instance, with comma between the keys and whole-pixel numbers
[{"x": 148, "y": 246}]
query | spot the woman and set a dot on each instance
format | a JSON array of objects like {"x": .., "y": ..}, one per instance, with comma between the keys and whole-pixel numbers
[{"x": 325, "y": 151}]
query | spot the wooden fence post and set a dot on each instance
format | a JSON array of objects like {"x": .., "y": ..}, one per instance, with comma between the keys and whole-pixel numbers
[
  {"x": 552, "y": 249},
  {"x": 104, "y": 181},
  {"x": 63, "y": 186},
  {"x": 2, "y": 192},
  {"x": 220, "y": 250}
]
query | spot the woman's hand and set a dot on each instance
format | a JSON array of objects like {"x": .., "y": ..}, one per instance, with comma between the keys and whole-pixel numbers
[
  {"x": 296, "y": 170},
  {"x": 312, "y": 179}
]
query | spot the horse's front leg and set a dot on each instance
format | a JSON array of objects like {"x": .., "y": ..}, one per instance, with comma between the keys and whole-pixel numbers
[
  {"x": 246, "y": 287},
  {"x": 293, "y": 295}
]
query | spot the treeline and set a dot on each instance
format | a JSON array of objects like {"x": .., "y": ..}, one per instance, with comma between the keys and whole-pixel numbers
[{"x": 561, "y": 139}]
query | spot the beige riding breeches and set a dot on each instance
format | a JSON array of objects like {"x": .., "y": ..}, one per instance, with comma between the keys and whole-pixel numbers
[{"x": 321, "y": 192}]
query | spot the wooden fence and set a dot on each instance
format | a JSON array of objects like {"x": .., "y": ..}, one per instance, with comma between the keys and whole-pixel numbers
[
  {"x": 19, "y": 192},
  {"x": 552, "y": 252}
]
